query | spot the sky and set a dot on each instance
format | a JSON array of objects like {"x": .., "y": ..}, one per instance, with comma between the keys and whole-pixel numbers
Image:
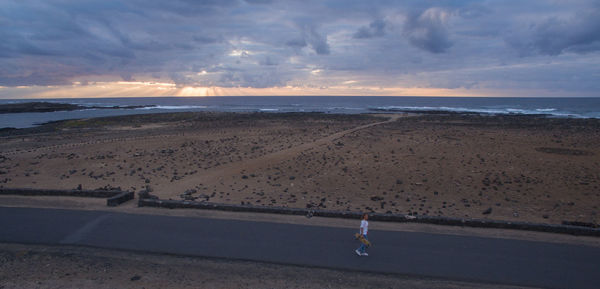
[{"x": 106, "y": 48}]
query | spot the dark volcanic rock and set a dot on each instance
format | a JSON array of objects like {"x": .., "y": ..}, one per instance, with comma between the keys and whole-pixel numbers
[
  {"x": 190, "y": 191},
  {"x": 487, "y": 211},
  {"x": 51, "y": 106},
  {"x": 37, "y": 107},
  {"x": 580, "y": 224}
]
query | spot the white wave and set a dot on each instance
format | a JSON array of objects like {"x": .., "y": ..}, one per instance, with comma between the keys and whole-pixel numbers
[
  {"x": 268, "y": 109},
  {"x": 440, "y": 108},
  {"x": 171, "y": 107},
  {"x": 343, "y": 108},
  {"x": 549, "y": 111}
]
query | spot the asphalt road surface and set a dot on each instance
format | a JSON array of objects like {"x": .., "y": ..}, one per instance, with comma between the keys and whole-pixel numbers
[{"x": 464, "y": 258}]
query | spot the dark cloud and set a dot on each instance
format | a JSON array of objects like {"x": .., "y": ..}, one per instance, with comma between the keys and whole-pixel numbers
[
  {"x": 189, "y": 8},
  {"x": 555, "y": 35},
  {"x": 257, "y": 78},
  {"x": 296, "y": 43},
  {"x": 428, "y": 31},
  {"x": 36, "y": 78},
  {"x": 259, "y": 1},
  {"x": 268, "y": 61},
  {"x": 375, "y": 29},
  {"x": 316, "y": 40},
  {"x": 202, "y": 39},
  {"x": 261, "y": 43}
]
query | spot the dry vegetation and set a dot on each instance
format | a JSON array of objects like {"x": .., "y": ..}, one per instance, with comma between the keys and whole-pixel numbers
[{"x": 510, "y": 168}]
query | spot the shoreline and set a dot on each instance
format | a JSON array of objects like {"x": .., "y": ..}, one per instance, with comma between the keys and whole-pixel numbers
[
  {"x": 42, "y": 111},
  {"x": 43, "y": 106}
]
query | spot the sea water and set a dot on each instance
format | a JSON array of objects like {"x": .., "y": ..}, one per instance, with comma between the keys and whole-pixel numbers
[{"x": 552, "y": 107}]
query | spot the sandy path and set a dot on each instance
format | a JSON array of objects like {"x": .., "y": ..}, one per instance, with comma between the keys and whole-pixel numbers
[{"x": 174, "y": 189}]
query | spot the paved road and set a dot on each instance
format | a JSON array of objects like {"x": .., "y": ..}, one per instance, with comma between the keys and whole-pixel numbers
[{"x": 489, "y": 260}]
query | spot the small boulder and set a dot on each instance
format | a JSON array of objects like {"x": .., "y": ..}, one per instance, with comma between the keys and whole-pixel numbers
[{"x": 189, "y": 192}]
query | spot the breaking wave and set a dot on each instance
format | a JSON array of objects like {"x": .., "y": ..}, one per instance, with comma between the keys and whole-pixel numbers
[
  {"x": 538, "y": 111},
  {"x": 173, "y": 107}
]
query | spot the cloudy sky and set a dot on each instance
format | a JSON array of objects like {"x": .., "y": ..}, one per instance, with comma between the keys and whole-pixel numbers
[{"x": 101, "y": 48}]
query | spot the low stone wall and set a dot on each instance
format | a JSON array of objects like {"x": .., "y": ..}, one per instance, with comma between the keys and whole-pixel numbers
[
  {"x": 71, "y": 193},
  {"x": 482, "y": 223},
  {"x": 119, "y": 199},
  {"x": 113, "y": 197}
]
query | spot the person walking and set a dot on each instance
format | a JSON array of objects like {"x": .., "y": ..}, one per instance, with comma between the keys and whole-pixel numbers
[{"x": 364, "y": 229}]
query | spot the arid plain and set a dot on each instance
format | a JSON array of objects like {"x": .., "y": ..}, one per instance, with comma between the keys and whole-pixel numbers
[{"x": 520, "y": 168}]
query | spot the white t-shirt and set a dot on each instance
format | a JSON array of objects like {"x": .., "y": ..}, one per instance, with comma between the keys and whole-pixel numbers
[{"x": 364, "y": 225}]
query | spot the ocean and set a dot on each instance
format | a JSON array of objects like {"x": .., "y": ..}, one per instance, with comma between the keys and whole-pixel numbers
[{"x": 552, "y": 107}]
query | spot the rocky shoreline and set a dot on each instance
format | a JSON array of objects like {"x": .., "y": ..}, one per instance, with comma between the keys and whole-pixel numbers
[{"x": 52, "y": 106}]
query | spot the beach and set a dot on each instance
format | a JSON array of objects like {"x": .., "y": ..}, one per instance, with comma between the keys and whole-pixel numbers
[{"x": 503, "y": 167}]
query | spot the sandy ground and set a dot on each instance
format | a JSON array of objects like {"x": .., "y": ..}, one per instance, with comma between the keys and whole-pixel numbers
[
  {"x": 75, "y": 267},
  {"x": 511, "y": 167}
]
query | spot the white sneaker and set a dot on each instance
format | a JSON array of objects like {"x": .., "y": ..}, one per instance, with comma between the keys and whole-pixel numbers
[
  {"x": 357, "y": 252},
  {"x": 364, "y": 254}
]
